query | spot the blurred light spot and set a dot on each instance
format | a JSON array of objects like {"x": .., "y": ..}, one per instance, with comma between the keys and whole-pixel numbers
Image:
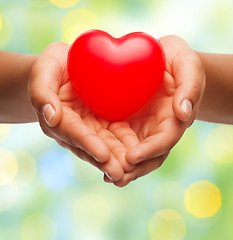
[
  {"x": 4, "y": 130},
  {"x": 202, "y": 199},
  {"x": 64, "y": 3},
  {"x": 76, "y": 22},
  {"x": 8, "y": 167},
  {"x": 81, "y": 170},
  {"x": 219, "y": 17},
  {"x": 39, "y": 3},
  {"x": 53, "y": 169},
  {"x": 91, "y": 211},
  {"x": 8, "y": 196},
  {"x": 26, "y": 169},
  {"x": 38, "y": 227},
  {"x": 167, "y": 224},
  {"x": 219, "y": 144},
  {"x": 45, "y": 27},
  {"x": 5, "y": 30},
  {"x": 0, "y": 21},
  {"x": 169, "y": 195}
]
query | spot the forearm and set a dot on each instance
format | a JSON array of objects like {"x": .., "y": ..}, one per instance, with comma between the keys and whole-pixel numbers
[
  {"x": 217, "y": 103},
  {"x": 15, "y": 106}
]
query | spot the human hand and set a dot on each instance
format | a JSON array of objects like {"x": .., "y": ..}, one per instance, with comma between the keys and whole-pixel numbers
[
  {"x": 65, "y": 118},
  {"x": 160, "y": 124}
]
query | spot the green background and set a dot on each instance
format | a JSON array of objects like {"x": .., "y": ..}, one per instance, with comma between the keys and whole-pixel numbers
[{"x": 46, "y": 193}]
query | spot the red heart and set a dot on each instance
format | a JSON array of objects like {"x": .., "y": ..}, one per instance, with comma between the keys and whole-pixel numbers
[{"x": 115, "y": 77}]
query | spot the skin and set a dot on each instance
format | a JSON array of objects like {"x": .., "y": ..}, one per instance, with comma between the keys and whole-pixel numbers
[
  {"x": 162, "y": 122},
  {"x": 15, "y": 106},
  {"x": 217, "y": 103},
  {"x": 125, "y": 150}
]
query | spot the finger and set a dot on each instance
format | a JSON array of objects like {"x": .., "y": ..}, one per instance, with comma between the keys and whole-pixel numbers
[
  {"x": 140, "y": 170},
  {"x": 77, "y": 152},
  {"x": 74, "y": 129},
  {"x": 124, "y": 133},
  {"x": 189, "y": 77},
  {"x": 106, "y": 179},
  {"x": 45, "y": 81},
  {"x": 112, "y": 168},
  {"x": 167, "y": 135},
  {"x": 116, "y": 147}
]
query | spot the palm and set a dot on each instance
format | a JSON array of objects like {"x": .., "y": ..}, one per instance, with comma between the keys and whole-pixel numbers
[
  {"x": 148, "y": 134},
  {"x": 75, "y": 111},
  {"x": 156, "y": 126},
  {"x": 155, "y": 118},
  {"x": 152, "y": 117},
  {"x": 148, "y": 121},
  {"x": 77, "y": 128},
  {"x": 156, "y": 121}
]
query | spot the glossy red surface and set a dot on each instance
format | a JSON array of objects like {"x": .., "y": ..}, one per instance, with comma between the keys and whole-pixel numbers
[{"x": 115, "y": 77}]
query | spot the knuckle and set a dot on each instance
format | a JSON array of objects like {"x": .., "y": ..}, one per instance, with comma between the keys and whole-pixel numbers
[
  {"x": 109, "y": 138},
  {"x": 117, "y": 125},
  {"x": 58, "y": 44},
  {"x": 101, "y": 131},
  {"x": 172, "y": 140},
  {"x": 176, "y": 38},
  {"x": 117, "y": 148},
  {"x": 196, "y": 90},
  {"x": 35, "y": 100}
]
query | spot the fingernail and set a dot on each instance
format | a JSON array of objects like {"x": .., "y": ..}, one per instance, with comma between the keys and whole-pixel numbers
[
  {"x": 186, "y": 106},
  {"x": 97, "y": 160},
  {"x": 108, "y": 176},
  {"x": 48, "y": 113}
]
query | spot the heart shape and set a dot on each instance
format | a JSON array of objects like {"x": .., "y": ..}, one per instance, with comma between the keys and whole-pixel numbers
[{"x": 115, "y": 77}]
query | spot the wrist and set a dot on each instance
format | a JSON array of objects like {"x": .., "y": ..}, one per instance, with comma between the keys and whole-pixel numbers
[{"x": 15, "y": 70}]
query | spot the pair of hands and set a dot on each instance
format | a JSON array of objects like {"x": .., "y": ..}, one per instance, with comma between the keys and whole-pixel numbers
[{"x": 123, "y": 150}]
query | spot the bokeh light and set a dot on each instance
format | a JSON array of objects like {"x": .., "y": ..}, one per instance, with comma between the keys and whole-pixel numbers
[
  {"x": 0, "y": 21},
  {"x": 169, "y": 195},
  {"x": 219, "y": 144},
  {"x": 47, "y": 193},
  {"x": 202, "y": 199},
  {"x": 26, "y": 169},
  {"x": 5, "y": 30},
  {"x": 76, "y": 22},
  {"x": 91, "y": 212},
  {"x": 167, "y": 224},
  {"x": 8, "y": 167},
  {"x": 9, "y": 195},
  {"x": 38, "y": 227},
  {"x": 82, "y": 171},
  {"x": 39, "y": 3},
  {"x": 57, "y": 162},
  {"x": 4, "y": 131},
  {"x": 64, "y": 3},
  {"x": 45, "y": 28}
]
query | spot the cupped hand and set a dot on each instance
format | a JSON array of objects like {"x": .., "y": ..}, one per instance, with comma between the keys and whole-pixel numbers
[
  {"x": 160, "y": 124},
  {"x": 123, "y": 150},
  {"x": 65, "y": 118}
]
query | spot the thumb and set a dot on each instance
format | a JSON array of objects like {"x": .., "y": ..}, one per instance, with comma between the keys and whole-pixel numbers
[
  {"x": 190, "y": 81},
  {"x": 45, "y": 81}
]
